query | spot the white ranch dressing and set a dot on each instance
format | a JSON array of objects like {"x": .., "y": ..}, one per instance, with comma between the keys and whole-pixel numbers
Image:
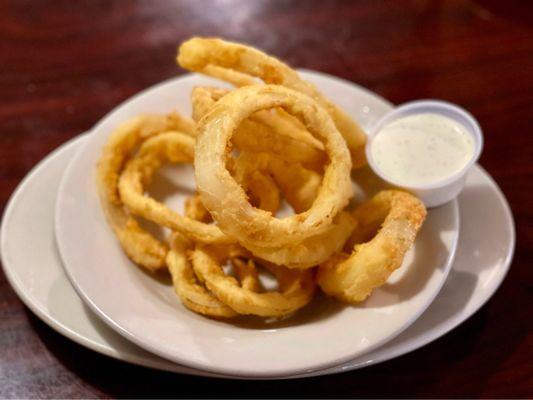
[{"x": 422, "y": 149}]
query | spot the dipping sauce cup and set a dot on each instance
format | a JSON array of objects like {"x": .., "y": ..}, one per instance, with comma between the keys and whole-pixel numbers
[{"x": 431, "y": 147}]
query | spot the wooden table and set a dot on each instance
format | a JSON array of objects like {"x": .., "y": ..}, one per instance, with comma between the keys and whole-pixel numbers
[{"x": 64, "y": 64}]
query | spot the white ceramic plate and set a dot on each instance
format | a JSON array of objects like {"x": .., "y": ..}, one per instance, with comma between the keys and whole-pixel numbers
[
  {"x": 147, "y": 312},
  {"x": 480, "y": 265}
]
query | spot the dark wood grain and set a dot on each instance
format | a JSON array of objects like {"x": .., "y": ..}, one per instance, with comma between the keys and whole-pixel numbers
[{"x": 64, "y": 64}]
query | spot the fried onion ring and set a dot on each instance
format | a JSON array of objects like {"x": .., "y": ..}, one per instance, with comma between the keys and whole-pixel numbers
[
  {"x": 296, "y": 288},
  {"x": 201, "y": 54},
  {"x": 175, "y": 147},
  {"x": 227, "y": 201},
  {"x": 272, "y": 131},
  {"x": 313, "y": 250},
  {"x": 299, "y": 186},
  {"x": 193, "y": 294},
  {"x": 352, "y": 277},
  {"x": 170, "y": 147},
  {"x": 138, "y": 244}
]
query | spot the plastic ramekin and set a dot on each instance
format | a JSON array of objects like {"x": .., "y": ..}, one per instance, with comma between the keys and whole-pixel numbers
[{"x": 440, "y": 192}]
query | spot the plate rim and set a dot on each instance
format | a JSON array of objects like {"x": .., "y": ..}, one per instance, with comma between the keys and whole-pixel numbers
[{"x": 235, "y": 371}]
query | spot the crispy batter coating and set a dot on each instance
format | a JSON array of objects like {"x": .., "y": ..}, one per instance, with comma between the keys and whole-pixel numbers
[
  {"x": 170, "y": 147},
  {"x": 352, "y": 277},
  {"x": 138, "y": 244},
  {"x": 194, "y": 295},
  {"x": 296, "y": 288}
]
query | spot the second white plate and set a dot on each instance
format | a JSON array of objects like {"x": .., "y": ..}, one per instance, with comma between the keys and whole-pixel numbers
[{"x": 147, "y": 312}]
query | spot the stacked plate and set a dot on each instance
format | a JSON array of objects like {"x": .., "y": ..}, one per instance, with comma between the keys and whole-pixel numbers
[{"x": 63, "y": 261}]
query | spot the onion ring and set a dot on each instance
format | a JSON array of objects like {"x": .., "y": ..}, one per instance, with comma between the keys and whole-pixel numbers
[
  {"x": 300, "y": 186},
  {"x": 273, "y": 131},
  {"x": 300, "y": 190},
  {"x": 311, "y": 251},
  {"x": 175, "y": 147},
  {"x": 351, "y": 278},
  {"x": 245, "y": 270},
  {"x": 226, "y": 200},
  {"x": 195, "y": 296},
  {"x": 170, "y": 147},
  {"x": 138, "y": 244},
  {"x": 193, "y": 293},
  {"x": 296, "y": 288},
  {"x": 201, "y": 54}
]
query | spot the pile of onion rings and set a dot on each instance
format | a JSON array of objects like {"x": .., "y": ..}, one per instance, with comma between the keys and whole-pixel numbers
[{"x": 273, "y": 140}]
